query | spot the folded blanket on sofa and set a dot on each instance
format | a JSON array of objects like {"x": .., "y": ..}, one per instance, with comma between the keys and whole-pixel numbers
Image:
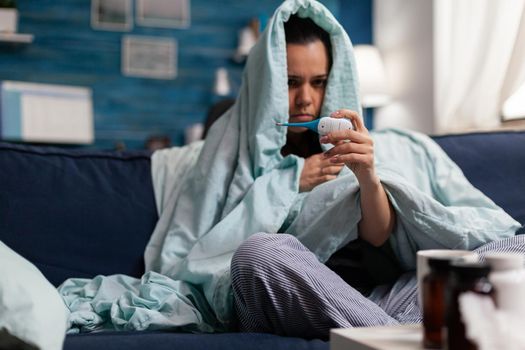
[{"x": 213, "y": 196}]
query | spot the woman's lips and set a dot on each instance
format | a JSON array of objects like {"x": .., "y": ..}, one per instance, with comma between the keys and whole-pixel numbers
[{"x": 301, "y": 118}]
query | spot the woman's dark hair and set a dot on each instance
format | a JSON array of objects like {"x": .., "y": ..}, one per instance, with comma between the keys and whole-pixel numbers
[{"x": 304, "y": 31}]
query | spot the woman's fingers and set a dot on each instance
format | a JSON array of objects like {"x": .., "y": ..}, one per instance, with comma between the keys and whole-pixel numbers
[
  {"x": 317, "y": 170},
  {"x": 343, "y": 135},
  {"x": 359, "y": 134},
  {"x": 349, "y": 147},
  {"x": 353, "y": 158},
  {"x": 332, "y": 169},
  {"x": 359, "y": 126},
  {"x": 354, "y": 148},
  {"x": 327, "y": 178}
]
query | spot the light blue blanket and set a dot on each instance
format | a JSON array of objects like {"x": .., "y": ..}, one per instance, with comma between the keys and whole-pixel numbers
[{"x": 212, "y": 196}]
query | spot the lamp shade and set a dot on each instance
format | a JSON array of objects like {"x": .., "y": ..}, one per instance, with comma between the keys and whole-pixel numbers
[{"x": 372, "y": 76}]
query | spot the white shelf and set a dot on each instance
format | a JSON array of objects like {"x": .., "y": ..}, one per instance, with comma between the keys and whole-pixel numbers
[{"x": 16, "y": 38}]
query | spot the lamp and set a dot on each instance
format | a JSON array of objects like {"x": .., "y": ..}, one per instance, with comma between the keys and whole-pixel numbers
[{"x": 372, "y": 79}]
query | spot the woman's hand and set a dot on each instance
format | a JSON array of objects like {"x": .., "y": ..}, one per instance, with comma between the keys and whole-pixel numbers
[
  {"x": 354, "y": 148},
  {"x": 318, "y": 169}
]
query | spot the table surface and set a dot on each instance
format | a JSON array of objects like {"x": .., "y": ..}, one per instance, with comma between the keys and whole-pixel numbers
[{"x": 404, "y": 337}]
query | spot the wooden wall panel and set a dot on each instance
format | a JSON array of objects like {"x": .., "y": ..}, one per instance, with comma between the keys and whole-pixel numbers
[{"x": 66, "y": 50}]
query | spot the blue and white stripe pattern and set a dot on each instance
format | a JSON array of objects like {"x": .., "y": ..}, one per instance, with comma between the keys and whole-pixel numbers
[{"x": 280, "y": 287}]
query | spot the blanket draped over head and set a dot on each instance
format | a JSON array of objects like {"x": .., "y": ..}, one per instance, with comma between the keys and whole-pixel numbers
[{"x": 211, "y": 196}]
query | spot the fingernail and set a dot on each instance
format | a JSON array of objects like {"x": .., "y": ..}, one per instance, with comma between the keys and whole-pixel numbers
[{"x": 323, "y": 139}]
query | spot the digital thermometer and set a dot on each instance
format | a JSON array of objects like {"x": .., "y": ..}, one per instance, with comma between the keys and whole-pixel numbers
[{"x": 323, "y": 125}]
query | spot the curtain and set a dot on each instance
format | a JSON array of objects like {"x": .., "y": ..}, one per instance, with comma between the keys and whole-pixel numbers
[{"x": 479, "y": 61}]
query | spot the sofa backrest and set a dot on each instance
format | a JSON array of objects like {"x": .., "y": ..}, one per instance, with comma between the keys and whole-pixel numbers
[
  {"x": 80, "y": 213},
  {"x": 494, "y": 162},
  {"x": 74, "y": 212}
]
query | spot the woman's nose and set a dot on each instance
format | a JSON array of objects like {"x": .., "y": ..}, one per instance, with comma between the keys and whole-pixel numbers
[{"x": 304, "y": 96}]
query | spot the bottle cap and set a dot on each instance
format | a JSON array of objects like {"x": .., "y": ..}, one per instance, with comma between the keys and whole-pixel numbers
[
  {"x": 440, "y": 264},
  {"x": 502, "y": 261},
  {"x": 470, "y": 269}
]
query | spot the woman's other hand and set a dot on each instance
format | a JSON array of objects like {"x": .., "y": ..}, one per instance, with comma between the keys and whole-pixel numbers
[{"x": 317, "y": 170}]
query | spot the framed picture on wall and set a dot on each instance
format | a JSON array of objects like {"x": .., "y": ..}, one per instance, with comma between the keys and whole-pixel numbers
[
  {"x": 163, "y": 13},
  {"x": 111, "y": 15},
  {"x": 149, "y": 57}
]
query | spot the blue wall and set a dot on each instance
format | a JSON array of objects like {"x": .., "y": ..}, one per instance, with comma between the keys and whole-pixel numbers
[
  {"x": 356, "y": 18},
  {"x": 66, "y": 50}
]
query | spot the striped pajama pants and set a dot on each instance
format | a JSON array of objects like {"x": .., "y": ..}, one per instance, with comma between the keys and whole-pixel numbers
[{"x": 280, "y": 287}]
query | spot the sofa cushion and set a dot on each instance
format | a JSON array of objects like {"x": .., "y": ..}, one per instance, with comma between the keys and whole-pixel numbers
[
  {"x": 76, "y": 212},
  {"x": 170, "y": 340},
  {"x": 494, "y": 162}
]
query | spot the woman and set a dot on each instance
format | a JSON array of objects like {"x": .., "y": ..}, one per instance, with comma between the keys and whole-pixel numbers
[{"x": 308, "y": 52}]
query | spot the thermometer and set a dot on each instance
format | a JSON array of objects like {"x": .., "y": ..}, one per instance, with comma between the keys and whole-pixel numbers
[{"x": 323, "y": 125}]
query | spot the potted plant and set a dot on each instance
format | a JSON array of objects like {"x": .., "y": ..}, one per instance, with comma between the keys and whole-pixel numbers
[{"x": 8, "y": 16}]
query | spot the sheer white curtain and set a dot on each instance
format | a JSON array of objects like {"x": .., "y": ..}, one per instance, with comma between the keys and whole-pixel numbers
[{"x": 479, "y": 61}]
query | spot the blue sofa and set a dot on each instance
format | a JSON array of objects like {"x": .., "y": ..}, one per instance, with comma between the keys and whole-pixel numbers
[{"x": 66, "y": 209}]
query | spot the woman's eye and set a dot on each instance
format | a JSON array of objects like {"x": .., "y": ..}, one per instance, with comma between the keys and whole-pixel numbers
[
  {"x": 293, "y": 82},
  {"x": 319, "y": 83}
]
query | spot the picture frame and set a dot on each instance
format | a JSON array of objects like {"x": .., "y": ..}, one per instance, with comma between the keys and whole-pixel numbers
[
  {"x": 149, "y": 57},
  {"x": 111, "y": 15},
  {"x": 163, "y": 13}
]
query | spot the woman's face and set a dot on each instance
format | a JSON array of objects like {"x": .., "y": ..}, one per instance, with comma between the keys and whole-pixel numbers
[{"x": 308, "y": 69}]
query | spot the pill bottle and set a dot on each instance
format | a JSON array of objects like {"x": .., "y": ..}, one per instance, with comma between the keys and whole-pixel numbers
[
  {"x": 435, "y": 284},
  {"x": 464, "y": 277}
]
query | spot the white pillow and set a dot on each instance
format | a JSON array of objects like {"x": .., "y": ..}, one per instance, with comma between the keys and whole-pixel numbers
[{"x": 32, "y": 312}]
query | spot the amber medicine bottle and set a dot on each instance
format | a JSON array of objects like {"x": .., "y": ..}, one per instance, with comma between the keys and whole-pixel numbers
[
  {"x": 435, "y": 285},
  {"x": 464, "y": 277}
]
